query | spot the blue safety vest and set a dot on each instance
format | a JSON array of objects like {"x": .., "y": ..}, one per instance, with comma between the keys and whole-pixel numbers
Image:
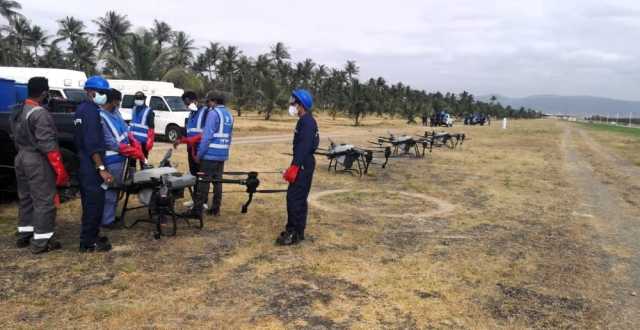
[
  {"x": 118, "y": 129},
  {"x": 221, "y": 141},
  {"x": 196, "y": 121},
  {"x": 138, "y": 124}
]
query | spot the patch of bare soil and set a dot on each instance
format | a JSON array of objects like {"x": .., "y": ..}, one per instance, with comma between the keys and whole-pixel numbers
[{"x": 597, "y": 173}]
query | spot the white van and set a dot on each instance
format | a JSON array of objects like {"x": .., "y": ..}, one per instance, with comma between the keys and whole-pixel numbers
[
  {"x": 68, "y": 84},
  {"x": 162, "y": 97}
]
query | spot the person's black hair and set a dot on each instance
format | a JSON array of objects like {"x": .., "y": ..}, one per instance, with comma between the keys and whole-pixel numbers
[
  {"x": 190, "y": 95},
  {"x": 219, "y": 98},
  {"x": 114, "y": 95},
  {"x": 36, "y": 86},
  {"x": 139, "y": 96}
]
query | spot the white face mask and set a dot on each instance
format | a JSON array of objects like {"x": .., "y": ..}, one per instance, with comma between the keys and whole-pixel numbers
[
  {"x": 138, "y": 102},
  {"x": 100, "y": 99},
  {"x": 293, "y": 110},
  {"x": 193, "y": 107}
]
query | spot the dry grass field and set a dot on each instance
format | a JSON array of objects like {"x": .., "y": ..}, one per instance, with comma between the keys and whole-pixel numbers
[{"x": 530, "y": 227}]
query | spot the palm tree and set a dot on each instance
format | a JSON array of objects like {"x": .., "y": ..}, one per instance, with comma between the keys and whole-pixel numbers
[
  {"x": 161, "y": 32},
  {"x": 280, "y": 53},
  {"x": 71, "y": 29},
  {"x": 213, "y": 53},
  {"x": 229, "y": 65},
  {"x": 144, "y": 62},
  {"x": 113, "y": 30},
  {"x": 53, "y": 57},
  {"x": 83, "y": 56},
  {"x": 38, "y": 39},
  {"x": 182, "y": 49},
  {"x": 351, "y": 69},
  {"x": 9, "y": 9},
  {"x": 18, "y": 33}
]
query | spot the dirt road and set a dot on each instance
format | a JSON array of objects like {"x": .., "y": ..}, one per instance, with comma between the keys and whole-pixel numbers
[{"x": 604, "y": 181}]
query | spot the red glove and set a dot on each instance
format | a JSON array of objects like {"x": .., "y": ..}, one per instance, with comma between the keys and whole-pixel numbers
[
  {"x": 150, "y": 136},
  {"x": 55, "y": 159},
  {"x": 191, "y": 140},
  {"x": 291, "y": 174},
  {"x": 130, "y": 151}
]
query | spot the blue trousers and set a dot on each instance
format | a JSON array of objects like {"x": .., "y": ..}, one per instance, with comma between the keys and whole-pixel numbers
[
  {"x": 111, "y": 195},
  {"x": 297, "y": 195},
  {"x": 92, "y": 197}
]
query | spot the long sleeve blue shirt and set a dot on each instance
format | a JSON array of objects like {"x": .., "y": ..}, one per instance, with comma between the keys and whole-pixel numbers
[
  {"x": 89, "y": 138},
  {"x": 305, "y": 140}
]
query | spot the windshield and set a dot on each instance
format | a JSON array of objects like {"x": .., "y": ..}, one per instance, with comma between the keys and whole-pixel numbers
[
  {"x": 175, "y": 103},
  {"x": 76, "y": 95}
]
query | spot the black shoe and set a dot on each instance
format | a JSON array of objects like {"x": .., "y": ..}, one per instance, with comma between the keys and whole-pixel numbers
[
  {"x": 215, "y": 213},
  {"x": 289, "y": 238},
  {"x": 23, "y": 242},
  {"x": 51, "y": 245},
  {"x": 102, "y": 245}
]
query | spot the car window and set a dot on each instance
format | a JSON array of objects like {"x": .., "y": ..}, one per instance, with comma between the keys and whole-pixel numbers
[
  {"x": 158, "y": 104},
  {"x": 127, "y": 102},
  {"x": 76, "y": 95},
  {"x": 55, "y": 94}
]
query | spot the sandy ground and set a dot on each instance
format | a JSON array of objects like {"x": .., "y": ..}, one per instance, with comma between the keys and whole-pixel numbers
[{"x": 532, "y": 227}]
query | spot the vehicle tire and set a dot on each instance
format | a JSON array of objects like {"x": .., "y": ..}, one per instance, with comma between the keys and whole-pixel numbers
[{"x": 172, "y": 133}]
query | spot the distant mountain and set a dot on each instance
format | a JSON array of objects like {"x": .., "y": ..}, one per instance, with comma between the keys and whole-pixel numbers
[{"x": 574, "y": 105}]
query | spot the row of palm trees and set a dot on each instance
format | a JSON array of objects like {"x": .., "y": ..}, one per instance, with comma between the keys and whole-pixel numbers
[{"x": 261, "y": 83}]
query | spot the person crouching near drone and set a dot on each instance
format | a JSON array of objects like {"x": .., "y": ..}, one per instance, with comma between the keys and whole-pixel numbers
[
  {"x": 213, "y": 149},
  {"x": 119, "y": 146},
  {"x": 300, "y": 173}
]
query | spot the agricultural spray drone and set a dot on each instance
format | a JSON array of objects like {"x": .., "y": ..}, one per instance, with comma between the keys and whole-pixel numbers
[
  {"x": 439, "y": 139},
  {"x": 403, "y": 145},
  {"x": 159, "y": 188},
  {"x": 353, "y": 159}
]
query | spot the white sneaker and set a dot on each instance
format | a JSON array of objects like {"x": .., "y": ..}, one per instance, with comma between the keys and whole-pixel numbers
[{"x": 205, "y": 206}]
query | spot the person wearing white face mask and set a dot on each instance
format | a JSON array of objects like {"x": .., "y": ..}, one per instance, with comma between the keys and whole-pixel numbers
[
  {"x": 142, "y": 124},
  {"x": 299, "y": 175},
  {"x": 92, "y": 174},
  {"x": 194, "y": 125}
]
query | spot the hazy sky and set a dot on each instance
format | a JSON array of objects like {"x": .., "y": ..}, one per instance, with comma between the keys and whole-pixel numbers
[{"x": 508, "y": 47}]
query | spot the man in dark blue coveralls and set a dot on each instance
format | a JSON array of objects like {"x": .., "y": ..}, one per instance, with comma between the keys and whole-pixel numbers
[
  {"x": 300, "y": 173},
  {"x": 93, "y": 175}
]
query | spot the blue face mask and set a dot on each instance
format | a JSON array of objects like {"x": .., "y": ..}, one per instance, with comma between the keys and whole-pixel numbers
[{"x": 100, "y": 99}]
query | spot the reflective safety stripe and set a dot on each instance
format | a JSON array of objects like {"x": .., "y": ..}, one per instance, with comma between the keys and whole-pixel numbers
[
  {"x": 42, "y": 236},
  {"x": 31, "y": 112},
  {"x": 194, "y": 130},
  {"x": 112, "y": 127},
  {"x": 218, "y": 146},
  {"x": 140, "y": 134},
  {"x": 138, "y": 125},
  {"x": 111, "y": 153},
  {"x": 221, "y": 122},
  {"x": 199, "y": 122},
  {"x": 223, "y": 135},
  {"x": 25, "y": 229}
]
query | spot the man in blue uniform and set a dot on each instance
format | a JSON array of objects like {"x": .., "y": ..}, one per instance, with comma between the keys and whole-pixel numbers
[
  {"x": 195, "y": 125},
  {"x": 300, "y": 173},
  {"x": 142, "y": 124},
  {"x": 93, "y": 174},
  {"x": 213, "y": 150},
  {"x": 118, "y": 148}
]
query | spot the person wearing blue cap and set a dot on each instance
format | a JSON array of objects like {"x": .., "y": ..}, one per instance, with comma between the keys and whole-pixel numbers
[
  {"x": 300, "y": 173},
  {"x": 93, "y": 175}
]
